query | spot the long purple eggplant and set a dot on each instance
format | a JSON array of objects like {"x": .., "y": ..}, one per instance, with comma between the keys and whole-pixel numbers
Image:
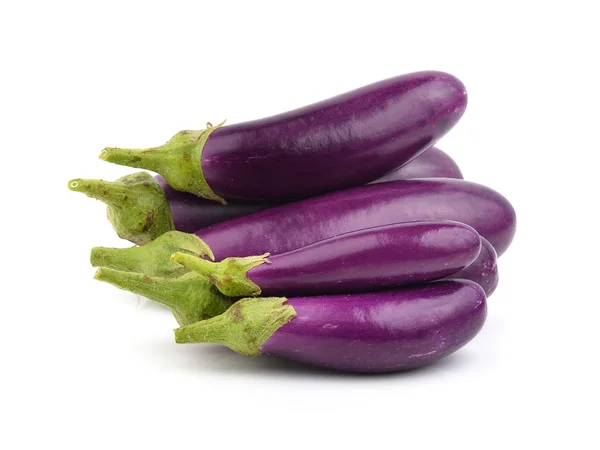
[
  {"x": 345, "y": 141},
  {"x": 190, "y": 212},
  {"x": 288, "y": 227},
  {"x": 147, "y": 269},
  {"x": 369, "y": 332},
  {"x": 483, "y": 271},
  {"x": 141, "y": 208},
  {"x": 360, "y": 261}
]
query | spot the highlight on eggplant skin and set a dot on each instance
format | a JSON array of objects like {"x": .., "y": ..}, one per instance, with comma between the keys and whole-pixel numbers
[{"x": 374, "y": 332}]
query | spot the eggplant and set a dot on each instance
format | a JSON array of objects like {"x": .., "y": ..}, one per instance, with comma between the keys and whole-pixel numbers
[
  {"x": 190, "y": 212},
  {"x": 143, "y": 270},
  {"x": 371, "y": 332},
  {"x": 288, "y": 227},
  {"x": 345, "y": 141},
  {"x": 294, "y": 225},
  {"x": 141, "y": 208},
  {"x": 483, "y": 271},
  {"x": 360, "y": 261}
]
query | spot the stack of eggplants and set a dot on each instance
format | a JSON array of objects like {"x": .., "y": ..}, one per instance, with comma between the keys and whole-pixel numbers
[{"x": 335, "y": 235}]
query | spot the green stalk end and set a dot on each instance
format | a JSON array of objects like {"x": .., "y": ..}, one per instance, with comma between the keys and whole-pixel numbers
[
  {"x": 179, "y": 161},
  {"x": 136, "y": 205},
  {"x": 191, "y": 298},
  {"x": 153, "y": 258},
  {"x": 230, "y": 276},
  {"x": 244, "y": 327}
]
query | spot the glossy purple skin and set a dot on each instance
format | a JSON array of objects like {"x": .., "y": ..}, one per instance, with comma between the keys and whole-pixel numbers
[
  {"x": 345, "y": 141},
  {"x": 191, "y": 212},
  {"x": 382, "y": 331},
  {"x": 287, "y": 227},
  {"x": 483, "y": 271},
  {"x": 370, "y": 260},
  {"x": 432, "y": 163}
]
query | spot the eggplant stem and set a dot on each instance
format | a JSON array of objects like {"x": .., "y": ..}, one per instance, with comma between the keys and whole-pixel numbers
[
  {"x": 153, "y": 258},
  {"x": 230, "y": 276},
  {"x": 110, "y": 192},
  {"x": 179, "y": 161},
  {"x": 190, "y": 297}
]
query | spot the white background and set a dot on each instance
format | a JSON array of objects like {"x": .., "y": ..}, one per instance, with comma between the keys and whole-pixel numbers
[{"x": 85, "y": 367}]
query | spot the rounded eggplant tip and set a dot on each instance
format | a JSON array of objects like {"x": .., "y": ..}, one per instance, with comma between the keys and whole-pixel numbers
[
  {"x": 463, "y": 233},
  {"x": 450, "y": 92},
  {"x": 490, "y": 288},
  {"x": 457, "y": 85},
  {"x": 461, "y": 90}
]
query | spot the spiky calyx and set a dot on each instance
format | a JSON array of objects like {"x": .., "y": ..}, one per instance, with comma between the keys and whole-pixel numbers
[{"x": 244, "y": 327}]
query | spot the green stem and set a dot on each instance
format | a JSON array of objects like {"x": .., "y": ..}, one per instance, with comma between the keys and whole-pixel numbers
[
  {"x": 137, "y": 207},
  {"x": 152, "y": 259},
  {"x": 230, "y": 276},
  {"x": 190, "y": 297},
  {"x": 148, "y": 158},
  {"x": 110, "y": 192},
  {"x": 244, "y": 327},
  {"x": 179, "y": 161}
]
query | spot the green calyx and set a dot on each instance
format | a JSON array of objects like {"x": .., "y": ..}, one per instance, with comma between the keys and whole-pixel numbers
[
  {"x": 230, "y": 276},
  {"x": 136, "y": 205},
  {"x": 191, "y": 298},
  {"x": 153, "y": 258},
  {"x": 244, "y": 327},
  {"x": 179, "y": 161}
]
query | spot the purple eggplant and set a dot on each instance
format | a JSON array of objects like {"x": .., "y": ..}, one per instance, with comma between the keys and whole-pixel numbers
[
  {"x": 433, "y": 163},
  {"x": 372, "y": 332},
  {"x": 345, "y": 141},
  {"x": 288, "y": 227},
  {"x": 141, "y": 208},
  {"x": 483, "y": 271},
  {"x": 190, "y": 212},
  {"x": 360, "y": 261}
]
